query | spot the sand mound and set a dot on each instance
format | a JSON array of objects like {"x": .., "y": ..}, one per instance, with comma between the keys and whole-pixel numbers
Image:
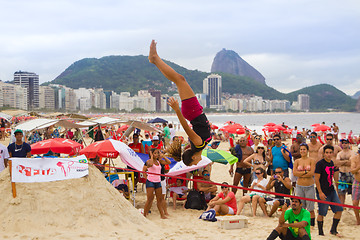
[{"x": 79, "y": 208}]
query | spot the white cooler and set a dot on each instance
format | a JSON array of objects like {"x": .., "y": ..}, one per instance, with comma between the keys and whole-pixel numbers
[{"x": 232, "y": 222}]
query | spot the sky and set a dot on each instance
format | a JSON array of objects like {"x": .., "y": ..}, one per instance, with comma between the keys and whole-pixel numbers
[{"x": 294, "y": 44}]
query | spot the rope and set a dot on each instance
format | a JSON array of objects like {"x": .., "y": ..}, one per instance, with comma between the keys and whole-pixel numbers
[{"x": 238, "y": 187}]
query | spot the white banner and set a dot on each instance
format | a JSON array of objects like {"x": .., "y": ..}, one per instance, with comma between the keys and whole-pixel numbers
[{"x": 48, "y": 169}]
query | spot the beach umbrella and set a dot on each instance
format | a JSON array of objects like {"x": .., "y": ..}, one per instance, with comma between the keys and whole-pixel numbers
[
  {"x": 213, "y": 126},
  {"x": 56, "y": 145},
  {"x": 220, "y": 156},
  {"x": 315, "y": 124},
  {"x": 234, "y": 128},
  {"x": 279, "y": 127},
  {"x": 157, "y": 120},
  {"x": 122, "y": 128},
  {"x": 103, "y": 148},
  {"x": 270, "y": 124},
  {"x": 321, "y": 128}
]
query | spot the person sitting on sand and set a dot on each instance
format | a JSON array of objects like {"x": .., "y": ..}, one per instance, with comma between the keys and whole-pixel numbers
[
  {"x": 255, "y": 197},
  {"x": 299, "y": 222},
  {"x": 178, "y": 190},
  {"x": 190, "y": 110},
  {"x": 224, "y": 203},
  {"x": 208, "y": 189}
]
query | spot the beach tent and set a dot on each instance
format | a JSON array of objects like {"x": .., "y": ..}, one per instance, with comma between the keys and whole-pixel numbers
[
  {"x": 141, "y": 125},
  {"x": 102, "y": 121},
  {"x": 41, "y": 123},
  {"x": 157, "y": 120},
  {"x": 7, "y": 117}
]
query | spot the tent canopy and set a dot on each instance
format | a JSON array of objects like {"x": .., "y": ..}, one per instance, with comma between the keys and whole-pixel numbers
[
  {"x": 157, "y": 120},
  {"x": 41, "y": 123}
]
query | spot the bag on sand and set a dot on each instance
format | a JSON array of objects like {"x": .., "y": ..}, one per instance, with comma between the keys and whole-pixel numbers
[
  {"x": 209, "y": 215},
  {"x": 195, "y": 200}
]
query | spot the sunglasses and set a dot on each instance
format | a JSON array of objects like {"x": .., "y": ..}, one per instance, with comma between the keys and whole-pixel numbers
[
  {"x": 276, "y": 139},
  {"x": 329, "y": 139},
  {"x": 207, "y": 174},
  {"x": 312, "y": 136},
  {"x": 261, "y": 148},
  {"x": 222, "y": 187},
  {"x": 277, "y": 172},
  {"x": 257, "y": 138},
  {"x": 258, "y": 173}
]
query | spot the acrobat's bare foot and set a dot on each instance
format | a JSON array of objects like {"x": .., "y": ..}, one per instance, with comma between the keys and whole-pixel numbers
[{"x": 153, "y": 53}]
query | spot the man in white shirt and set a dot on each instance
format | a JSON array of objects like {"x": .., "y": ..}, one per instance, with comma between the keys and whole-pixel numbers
[{"x": 4, "y": 156}]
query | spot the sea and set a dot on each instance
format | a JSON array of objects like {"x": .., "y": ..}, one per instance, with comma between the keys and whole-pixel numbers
[{"x": 346, "y": 121}]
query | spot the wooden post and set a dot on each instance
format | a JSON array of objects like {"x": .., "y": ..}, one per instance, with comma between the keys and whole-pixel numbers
[{"x": 13, "y": 186}]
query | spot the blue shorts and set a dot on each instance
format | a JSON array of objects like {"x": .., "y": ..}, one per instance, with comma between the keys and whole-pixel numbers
[
  {"x": 154, "y": 185},
  {"x": 332, "y": 197}
]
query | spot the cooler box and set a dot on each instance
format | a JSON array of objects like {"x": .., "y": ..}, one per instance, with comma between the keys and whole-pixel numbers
[{"x": 232, "y": 222}]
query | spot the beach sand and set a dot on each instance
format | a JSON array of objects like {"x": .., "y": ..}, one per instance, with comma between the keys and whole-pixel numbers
[{"x": 90, "y": 208}]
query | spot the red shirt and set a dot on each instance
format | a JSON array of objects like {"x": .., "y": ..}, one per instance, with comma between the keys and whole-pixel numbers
[
  {"x": 136, "y": 148},
  {"x": 232, "y": 202}
]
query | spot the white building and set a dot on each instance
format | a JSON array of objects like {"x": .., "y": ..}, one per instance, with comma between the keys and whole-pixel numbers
[
  {"x": 14, "y": 96},
  {"x": 212, "y": 86},
  {"x": 126, "y": 102},
  {"x": 83, "y": 99},
  {"x": 30, "y": 81},
  {"x": 46, "y": 97},
  {"x": 304, "y": 102}
]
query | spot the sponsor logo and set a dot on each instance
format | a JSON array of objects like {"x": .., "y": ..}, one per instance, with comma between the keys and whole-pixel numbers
[{"x": 29, "y": 171}]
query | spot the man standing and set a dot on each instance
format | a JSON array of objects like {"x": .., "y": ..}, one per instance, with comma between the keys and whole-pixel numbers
[
  {"x": 336, "y": 133},
  {"x": 314, "y": 146},
  {"x": 355, "y": 169},
  {"x": 242, "y": 170},
  {"x": 324, "y": 174},
  {"x": 337, "y": 149},
  {"x": 19, "y": 148},
  {"x": 167, "y": 135},
  {"x": 299, "y": 222},
  {"x": 4, "y": 156},
  {"x": 344, "y": 164},
  {"x": 279, "y": 156}
]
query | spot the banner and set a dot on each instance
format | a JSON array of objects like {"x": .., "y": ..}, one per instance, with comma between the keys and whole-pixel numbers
[{"x": 48, "y": 169}]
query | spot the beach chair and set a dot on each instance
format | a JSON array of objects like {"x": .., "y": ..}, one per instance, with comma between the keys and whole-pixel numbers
[{"x": 172, "y": 180}]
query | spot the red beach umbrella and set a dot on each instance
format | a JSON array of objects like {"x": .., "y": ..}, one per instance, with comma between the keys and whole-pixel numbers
[
  {"x": 122, "y": 128},
  {"x": 103, "y": 148},
  {"x": 321, "y": 128},
  {"x": 234, "y": 128},
  {"x": 270, "y": 124},
  {"x": 213, "y": 126},
  {"x": 56, "y": 145}
]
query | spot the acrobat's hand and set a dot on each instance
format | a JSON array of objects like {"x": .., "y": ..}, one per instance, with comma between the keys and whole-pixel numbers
[
  {"x": 153, "y": 53},
  {"x": 174, "y": 104}
]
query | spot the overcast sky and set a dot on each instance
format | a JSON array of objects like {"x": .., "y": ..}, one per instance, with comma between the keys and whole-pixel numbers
[{"x": 294, "y": 43}]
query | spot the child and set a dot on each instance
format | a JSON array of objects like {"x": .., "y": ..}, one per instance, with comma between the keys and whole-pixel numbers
[
  {"x": 178, "y": 191},
  {"x": 190, "y": 110},
  {"x": 153, "y": 182}
]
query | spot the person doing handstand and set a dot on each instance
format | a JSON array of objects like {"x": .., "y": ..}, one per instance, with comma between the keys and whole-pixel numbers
[{"x": 190, "y": 110}]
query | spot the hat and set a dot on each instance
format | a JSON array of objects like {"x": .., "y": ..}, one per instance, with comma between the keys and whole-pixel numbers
[
  {"x": 344, "y": 140},
  {"x": 260, "y": 145},
  {"x": 155, "y": 138},
  {"x": 18, "y": 131}
]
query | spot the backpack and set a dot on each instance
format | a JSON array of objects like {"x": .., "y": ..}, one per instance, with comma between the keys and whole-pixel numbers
[{"x": 195, "y": 200}]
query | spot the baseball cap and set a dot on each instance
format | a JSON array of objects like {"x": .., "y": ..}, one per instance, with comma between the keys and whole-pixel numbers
[
  {"x": 155, "y": 138},
  {"x": 18, "y": 131},
  {"x": 344, "y": 140}
]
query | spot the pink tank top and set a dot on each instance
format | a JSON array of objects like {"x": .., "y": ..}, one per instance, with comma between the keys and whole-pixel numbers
[{"x": 154, "y": 169}]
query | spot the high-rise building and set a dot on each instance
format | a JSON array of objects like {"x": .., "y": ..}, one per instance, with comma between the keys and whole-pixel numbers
[
  {"x": 14, "y": 96},
  {"x": 30, "y": 81},
  {"x": 304, "y": 102},
  {"x": 46, "y": 97},
  {"x": 157, "y": 95},
  {"x": 212, "y": 87}
]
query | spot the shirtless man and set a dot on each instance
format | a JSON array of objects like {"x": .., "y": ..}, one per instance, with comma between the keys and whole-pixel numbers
[
  {"x": 337, "y": 149},
  {"x": 343, "y": 163},
  {"x": 242, "y": 170},
  {"x": 336, "y": 133},
  {"x": 355, "y": 170},
  {"x": 314, "y": 146},
  {"x": 295, "y": 152}
]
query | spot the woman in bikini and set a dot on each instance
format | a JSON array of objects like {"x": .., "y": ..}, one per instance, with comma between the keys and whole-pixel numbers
[
  {"x": 257, "y": 159},
  {"x": 190, "y": 110},
  {"x": 304, "y": 169}
]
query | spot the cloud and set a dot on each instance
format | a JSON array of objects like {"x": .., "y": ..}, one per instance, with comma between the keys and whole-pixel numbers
[{"x": 292, "y": 43}]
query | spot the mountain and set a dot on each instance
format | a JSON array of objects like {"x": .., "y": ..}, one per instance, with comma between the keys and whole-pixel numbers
[
  {"x": 325, "y": 96},
  {"x": 134, "y": 73},
  {"x": 356, "y": 95},
  {"x": 228, "y": 61}
]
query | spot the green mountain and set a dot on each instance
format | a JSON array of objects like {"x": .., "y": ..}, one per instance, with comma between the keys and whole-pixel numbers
[{"x": 133, "y": 73}]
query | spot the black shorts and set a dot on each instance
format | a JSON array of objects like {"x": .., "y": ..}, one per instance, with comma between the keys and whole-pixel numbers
[
  {"x": 289, "y": 236},
  {"x": 243, "y": 171},
  {"x": 281, "y": 200}
]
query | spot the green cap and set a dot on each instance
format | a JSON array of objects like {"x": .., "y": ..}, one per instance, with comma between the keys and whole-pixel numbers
[{"x": 18, "y": 131}]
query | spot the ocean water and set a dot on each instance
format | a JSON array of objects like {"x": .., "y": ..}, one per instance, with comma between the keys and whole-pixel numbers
[{"x": 345, "y": 121}]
